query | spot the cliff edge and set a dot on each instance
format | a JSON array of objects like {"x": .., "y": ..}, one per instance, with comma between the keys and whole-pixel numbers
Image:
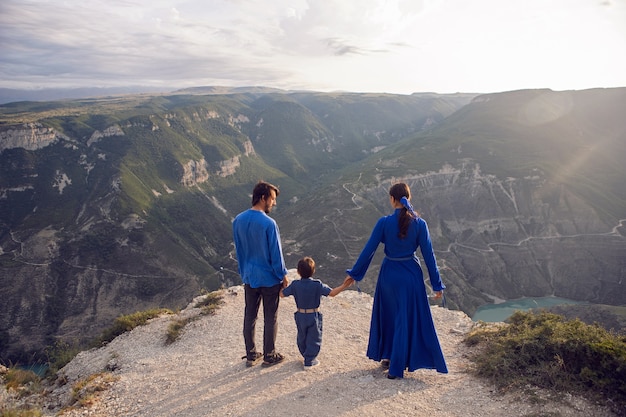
[{"x": 202, "y": 374}]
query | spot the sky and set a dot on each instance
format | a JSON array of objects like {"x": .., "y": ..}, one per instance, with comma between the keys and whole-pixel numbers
[{"x": 390, "y": 46}]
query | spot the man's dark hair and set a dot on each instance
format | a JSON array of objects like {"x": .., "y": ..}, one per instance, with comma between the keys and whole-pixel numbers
[
  {"x": 263, "y": 189},
  {"x": 306, "y": 267}
]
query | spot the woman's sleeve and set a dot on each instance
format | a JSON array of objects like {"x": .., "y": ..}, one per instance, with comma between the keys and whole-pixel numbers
[
  {"x": 365, "y": 258},
  {"x": 428, "y": 254}
]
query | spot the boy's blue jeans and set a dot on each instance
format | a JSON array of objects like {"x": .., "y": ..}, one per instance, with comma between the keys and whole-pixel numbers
[{"x": 309, "y": 337}]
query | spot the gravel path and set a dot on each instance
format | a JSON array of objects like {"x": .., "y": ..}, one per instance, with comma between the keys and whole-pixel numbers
[{"x": 202, "y": 373}]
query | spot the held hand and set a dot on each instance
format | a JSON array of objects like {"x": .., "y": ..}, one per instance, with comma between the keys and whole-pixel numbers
[
  {"x": 348, "y": 281},
  {"x": 438, "y": 295}
]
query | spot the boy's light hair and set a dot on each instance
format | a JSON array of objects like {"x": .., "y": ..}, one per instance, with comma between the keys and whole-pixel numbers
[{"x": 306, "y": 267}]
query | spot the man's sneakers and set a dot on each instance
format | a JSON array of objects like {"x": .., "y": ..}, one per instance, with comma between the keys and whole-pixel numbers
[
  {"x": 273, "y": 359},
  {"x": 269, "y": 360},
  {"x": 253, "y": 359},
  {"x": 314, "y": 362}
]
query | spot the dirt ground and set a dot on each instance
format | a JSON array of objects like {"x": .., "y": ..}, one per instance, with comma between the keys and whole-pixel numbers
[{"x": 202, "y": 373}]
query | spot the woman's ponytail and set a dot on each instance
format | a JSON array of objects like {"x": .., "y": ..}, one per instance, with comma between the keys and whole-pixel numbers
[{"x": 402, "y": 193}]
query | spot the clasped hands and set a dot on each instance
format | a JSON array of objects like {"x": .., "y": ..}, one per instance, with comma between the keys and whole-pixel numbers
[{"x": 348, "y": 281}]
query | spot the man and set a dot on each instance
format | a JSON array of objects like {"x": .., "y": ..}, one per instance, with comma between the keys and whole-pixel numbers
[{"x": 262, "y": 269}]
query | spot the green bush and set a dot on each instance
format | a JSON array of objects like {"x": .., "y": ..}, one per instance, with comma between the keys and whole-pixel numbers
[
  {"x": 547, "y": 351},
  {"x": 60, "y": 354}
]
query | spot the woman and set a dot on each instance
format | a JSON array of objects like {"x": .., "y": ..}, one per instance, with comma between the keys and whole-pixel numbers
[{"x": 402, "y": 332}]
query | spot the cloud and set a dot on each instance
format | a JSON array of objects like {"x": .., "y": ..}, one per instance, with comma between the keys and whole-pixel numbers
[{"x": 365, "y": 45}]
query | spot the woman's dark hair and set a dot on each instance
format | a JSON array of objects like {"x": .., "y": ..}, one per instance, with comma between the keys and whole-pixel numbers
[
  {"x": 306, "y": 267},
  {"x": 397, "y": 191},
  {"x": 263, "y": 189}
]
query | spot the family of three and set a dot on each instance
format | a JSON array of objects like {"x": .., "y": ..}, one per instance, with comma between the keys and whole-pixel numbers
[{"x": 402, "y": 333}]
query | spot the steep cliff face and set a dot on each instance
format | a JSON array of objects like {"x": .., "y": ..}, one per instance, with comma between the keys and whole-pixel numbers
[
  {"x": 504, "y": 238},
  {"x": 74, "y": 255},
  {"x": 523, "y": 237},
  {"x": 197, "y": 172},
  {"x": 114, "y": 130},
  {"x": 29, "y": 136},
  {"x": 194, "y": 172}
]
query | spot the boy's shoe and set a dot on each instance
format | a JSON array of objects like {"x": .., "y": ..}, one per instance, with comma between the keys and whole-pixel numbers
[
  {"x": 384, "y": 364},
  {"x": 273, "y": 359},
  {"x": 253, "y": 359},
  {"x": 314, "y": 362}
]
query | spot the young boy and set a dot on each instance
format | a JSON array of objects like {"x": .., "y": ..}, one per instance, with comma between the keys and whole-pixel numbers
[{"x": 308, "y": 293}]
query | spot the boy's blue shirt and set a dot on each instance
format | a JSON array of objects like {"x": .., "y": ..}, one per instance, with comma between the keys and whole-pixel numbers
[{"x": 308, "y": 292}]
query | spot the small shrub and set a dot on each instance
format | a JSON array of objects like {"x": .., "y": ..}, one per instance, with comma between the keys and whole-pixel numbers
[
  {"x": 60, "y": 354},
  {"x": 23, "y": 381},
  {"x": 20, "y": 412},
  {"x": 23, "y": 384},
  {"x": 545, "y": 350},
  {"x": 128, "y": 322},
  {"x": 208, "y": 305},
  {"x": 174, "y": 329},
  {"x": 211, "y": 302},
  {"x": 84, "y": 392}
]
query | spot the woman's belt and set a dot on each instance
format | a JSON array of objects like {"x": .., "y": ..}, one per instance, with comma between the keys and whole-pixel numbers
[{"x": 406, "y": 258}]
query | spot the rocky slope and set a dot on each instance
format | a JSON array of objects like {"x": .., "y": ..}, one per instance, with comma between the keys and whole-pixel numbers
[{"x": 202, "y": 374}]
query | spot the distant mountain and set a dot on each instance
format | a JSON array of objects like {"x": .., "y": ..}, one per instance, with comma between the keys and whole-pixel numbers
[
  {"x": 9, "y": 95},
  {"x": 112, "y": 205},
  {"x": 230, "y": 90}
]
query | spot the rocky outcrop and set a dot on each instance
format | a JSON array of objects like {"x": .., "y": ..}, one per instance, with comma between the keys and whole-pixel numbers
[
  {"x": 29, "y": 136},
  {"x": 228, "y": 167},
  {"x": 194, "y": 172},
  {"x": 198, "y": 172},
  {"x": 96, "y": 136},
  {"x": 248, "y": 148}
]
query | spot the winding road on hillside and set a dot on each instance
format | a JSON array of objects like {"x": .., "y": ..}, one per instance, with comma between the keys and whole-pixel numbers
[{"x": 355, "y": 197}]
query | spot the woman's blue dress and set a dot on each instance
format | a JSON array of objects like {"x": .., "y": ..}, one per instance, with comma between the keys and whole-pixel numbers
[{"x": 402, "y": 328}]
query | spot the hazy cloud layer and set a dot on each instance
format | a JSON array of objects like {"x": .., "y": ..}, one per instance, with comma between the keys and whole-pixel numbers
[{"x": 359, "y": 45}]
